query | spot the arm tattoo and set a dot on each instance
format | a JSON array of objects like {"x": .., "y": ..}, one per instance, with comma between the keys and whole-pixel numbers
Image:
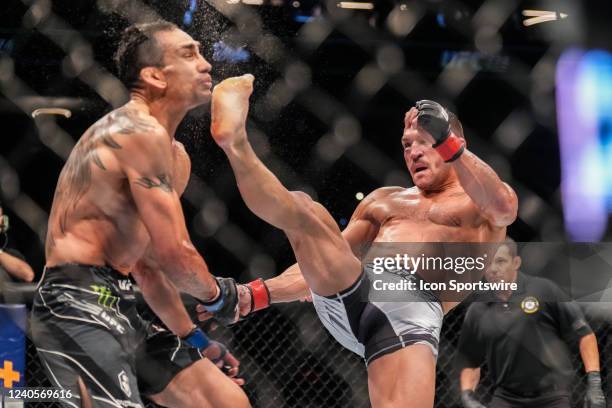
[
  {"x": 123, "y": 121},
  {"x": 163, "y": 182},
  {"x": 76, "y": 175}
]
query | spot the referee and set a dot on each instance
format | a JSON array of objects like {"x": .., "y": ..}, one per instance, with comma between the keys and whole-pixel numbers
[{"x": 523, "y": 336}]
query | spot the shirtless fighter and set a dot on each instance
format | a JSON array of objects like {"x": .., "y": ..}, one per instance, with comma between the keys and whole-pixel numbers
[
  {"x": 116, "y": 212},
  {"x": 457, "y": 198}
]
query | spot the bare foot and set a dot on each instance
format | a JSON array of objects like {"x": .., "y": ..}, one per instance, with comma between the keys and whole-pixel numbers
[{"x": 230, "y": 107}]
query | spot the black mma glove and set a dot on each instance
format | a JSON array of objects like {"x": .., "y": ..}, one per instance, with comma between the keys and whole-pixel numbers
[
  {"x": 225, "y": 306},
  {"x": 594, "y": 397},
  {"x": 215, "y": 351},
  {"x": 434, "y": 119}
]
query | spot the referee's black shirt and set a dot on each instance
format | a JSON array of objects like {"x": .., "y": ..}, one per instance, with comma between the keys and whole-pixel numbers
[{"x": 524, "y": 340}]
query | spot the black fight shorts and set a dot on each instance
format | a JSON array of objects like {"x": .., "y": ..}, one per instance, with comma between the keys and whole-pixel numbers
[{"x": 85, "y": 324}]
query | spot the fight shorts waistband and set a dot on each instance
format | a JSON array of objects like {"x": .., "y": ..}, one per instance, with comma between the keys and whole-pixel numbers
[{"x": 83, "y": 274}]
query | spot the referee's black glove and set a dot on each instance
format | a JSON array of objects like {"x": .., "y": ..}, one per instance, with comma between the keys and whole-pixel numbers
[
  {"x": 594, "y": 397},
  {"x": 468, "y": 400}
]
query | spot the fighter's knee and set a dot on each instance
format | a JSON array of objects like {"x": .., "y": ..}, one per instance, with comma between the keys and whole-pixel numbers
[
  {"x": 308, "y": 208},
  {"x": 392, "y": 397}
]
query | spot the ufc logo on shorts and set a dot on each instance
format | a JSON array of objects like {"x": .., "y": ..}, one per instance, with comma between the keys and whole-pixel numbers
[{"x": 124, "y": 383}]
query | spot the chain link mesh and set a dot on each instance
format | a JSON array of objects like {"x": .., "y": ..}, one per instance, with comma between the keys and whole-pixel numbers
[
  {"x": 287, "y": 357},
  {"x": 289, "y": 360}
]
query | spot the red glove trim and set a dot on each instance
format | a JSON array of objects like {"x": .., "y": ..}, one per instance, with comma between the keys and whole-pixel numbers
[
  {"x": 451, "y": 148},
  {"x": 260, "y": 295}
]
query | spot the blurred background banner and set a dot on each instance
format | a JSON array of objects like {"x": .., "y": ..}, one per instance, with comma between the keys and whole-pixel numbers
[
  {"x": 13, "y": 320},
  {"x": 584, "y": 109}
]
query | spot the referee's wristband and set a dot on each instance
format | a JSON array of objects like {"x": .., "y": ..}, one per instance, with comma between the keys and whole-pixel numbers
[{"x": 196, "y": 338}]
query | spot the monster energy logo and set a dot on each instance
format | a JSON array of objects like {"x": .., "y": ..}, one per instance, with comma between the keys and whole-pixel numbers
[{"x": 105, "y": 297}]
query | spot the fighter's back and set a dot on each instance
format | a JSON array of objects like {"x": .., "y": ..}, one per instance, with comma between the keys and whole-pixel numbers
[{"x": 94, "y": 219}]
